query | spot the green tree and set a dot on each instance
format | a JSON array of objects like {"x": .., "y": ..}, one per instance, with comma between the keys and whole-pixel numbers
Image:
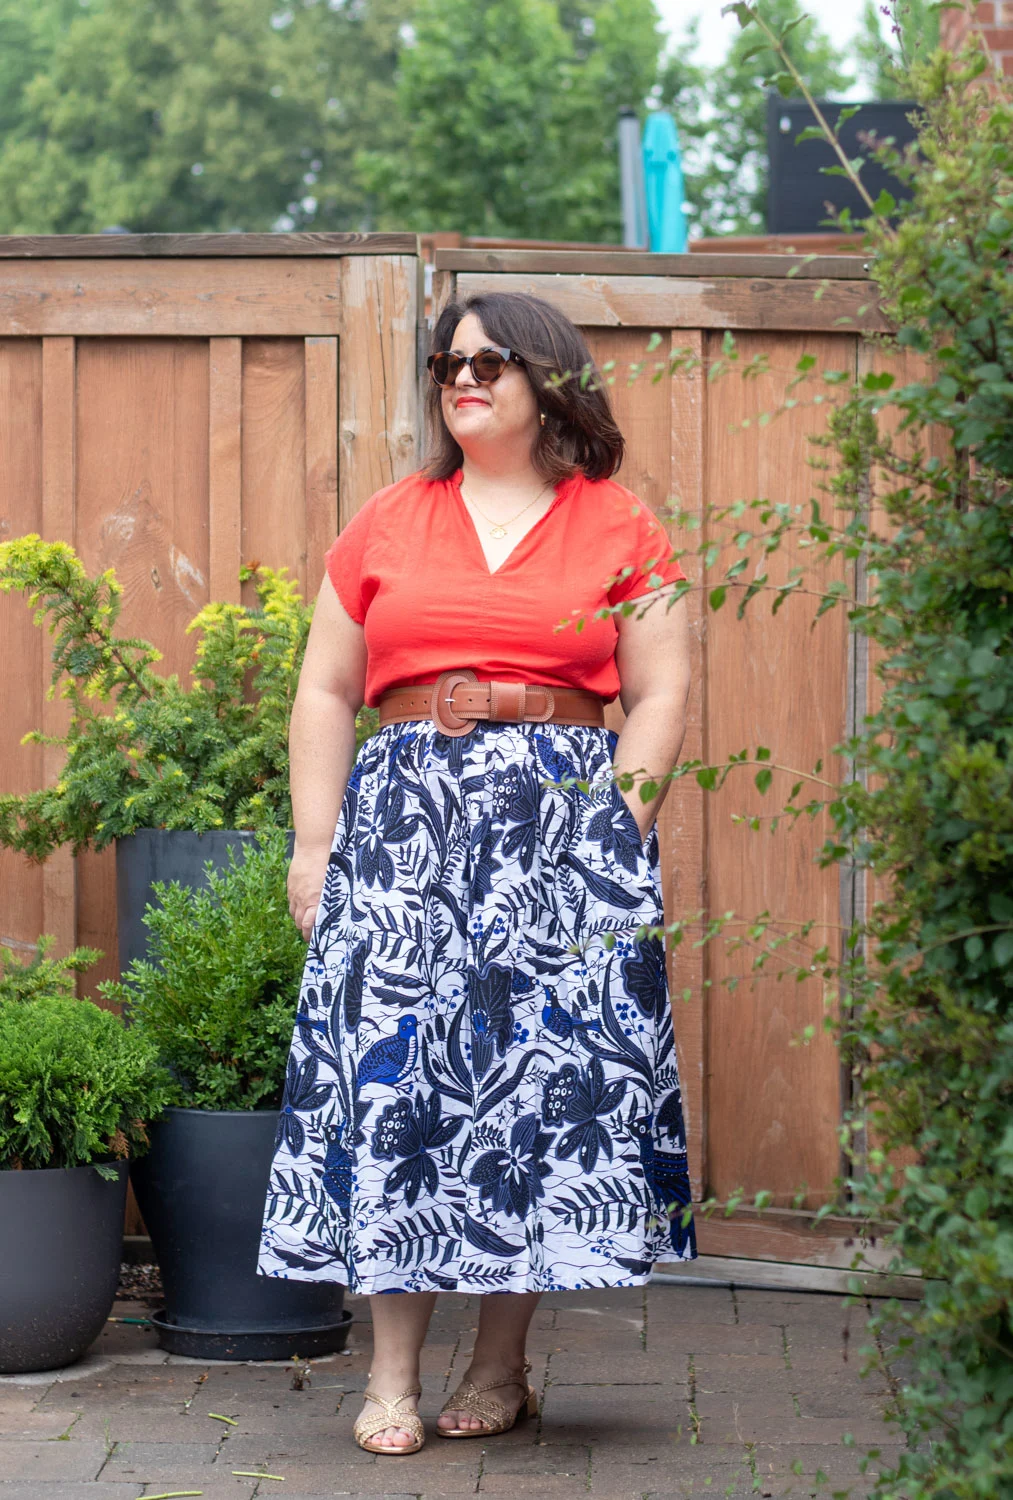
[
  {"x": 175, "y": 115},
  {"x": 722, "y": 116},
  {"x": 912, "y": 33},
  {"x": 508, "y": 116}
]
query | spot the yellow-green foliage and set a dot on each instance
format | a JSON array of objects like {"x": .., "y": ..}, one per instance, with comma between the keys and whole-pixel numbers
[
  {"x": 41, "y": 975},
  {"x": 146, "y": 750}
]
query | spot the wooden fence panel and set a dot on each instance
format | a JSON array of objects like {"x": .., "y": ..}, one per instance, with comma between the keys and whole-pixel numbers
[
  {"x": 762, "y": 1113},
  {"x": 141, "y": 508},
  {"x": 662, "y": 425},
  {"x": 198, "y": 406},
  {"x": 774, "y": 1104},
  {"x": 274, "y": 455},
  {"x": 172, "y": 411},
  {"x": 22, "y": 384}
]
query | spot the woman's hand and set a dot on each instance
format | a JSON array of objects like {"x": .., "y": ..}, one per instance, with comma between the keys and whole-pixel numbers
[
  {"x": 640, "y": 815},
  {"x": 305, "y": 886},
  {"x": 653, "y": 657},
  {"x": 322, "y": 746}
]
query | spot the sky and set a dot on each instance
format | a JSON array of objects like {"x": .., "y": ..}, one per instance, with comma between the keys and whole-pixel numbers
[{"x": 839, "y": 18}]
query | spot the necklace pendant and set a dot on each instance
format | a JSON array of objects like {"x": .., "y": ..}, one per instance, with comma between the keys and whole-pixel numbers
[{"x": 498, "y": 531}]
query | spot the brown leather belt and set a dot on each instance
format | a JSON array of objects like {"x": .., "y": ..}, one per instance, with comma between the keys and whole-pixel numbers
[{"x": 456, "y": 701}]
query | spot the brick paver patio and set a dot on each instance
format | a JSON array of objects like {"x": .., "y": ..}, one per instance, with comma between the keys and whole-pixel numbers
[{"x": 766, "y": 1382}]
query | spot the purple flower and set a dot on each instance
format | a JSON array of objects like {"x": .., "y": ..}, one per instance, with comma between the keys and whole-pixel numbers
[
  {"x": 422, "y": 1131},
  {"x": 515, "y": 802},
  {"x": 558, "y": 1091},
  {"x": 591, "y": 1097},
  {"x": 511, "y": 1177},
  {"x": 615, "y": 829},
  {"x": 301, "y": 1093},
  {"x": 644, "y": 977},
  {"x": 490, "y": 991}
]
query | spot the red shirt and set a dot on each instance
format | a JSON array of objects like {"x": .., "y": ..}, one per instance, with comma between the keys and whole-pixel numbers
[{"x": 409, "y": 567}]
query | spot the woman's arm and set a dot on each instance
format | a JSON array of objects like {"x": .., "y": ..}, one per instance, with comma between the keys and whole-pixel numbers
[
  {"x": 322, "y": 745},
  {"x": 653, "y": 661}
]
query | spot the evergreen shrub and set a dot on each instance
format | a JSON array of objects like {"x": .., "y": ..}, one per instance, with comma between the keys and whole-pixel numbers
[
  {"x": 76, "y": 1086},
  {"x": 218, "y": 997}
]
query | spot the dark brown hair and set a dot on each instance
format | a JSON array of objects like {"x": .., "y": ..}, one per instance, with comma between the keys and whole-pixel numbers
[{"x": 580, "y": 431}]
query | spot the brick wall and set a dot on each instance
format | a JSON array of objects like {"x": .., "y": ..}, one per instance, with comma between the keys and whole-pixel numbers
[{"x": 995, "y": 18}]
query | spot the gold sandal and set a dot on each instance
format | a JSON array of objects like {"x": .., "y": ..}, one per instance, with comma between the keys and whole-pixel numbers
[
  {"x": 498, "y": 1418},
  {"x": 368, "y": 1424}
]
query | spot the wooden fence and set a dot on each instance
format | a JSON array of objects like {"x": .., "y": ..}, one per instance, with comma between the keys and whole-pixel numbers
[
  {"x": 764, "y": 1104},
  {"x": 176, "y": 405}
]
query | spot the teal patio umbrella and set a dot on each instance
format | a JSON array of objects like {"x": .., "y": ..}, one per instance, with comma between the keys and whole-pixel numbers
[{"x": 666, "y": 221}]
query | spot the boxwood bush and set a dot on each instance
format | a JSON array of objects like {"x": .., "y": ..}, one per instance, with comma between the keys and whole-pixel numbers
[{"x": 217, "y": 998}]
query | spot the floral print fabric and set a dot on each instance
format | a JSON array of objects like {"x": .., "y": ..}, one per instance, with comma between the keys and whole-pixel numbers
[{"x": 482, "y": 1092}]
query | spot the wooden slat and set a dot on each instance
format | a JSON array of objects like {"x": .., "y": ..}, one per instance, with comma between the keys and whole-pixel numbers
[
  {"x": 231, "y": 246},
  {"x": 663, "y": 426},
  {"x": 142, "y": 509},
  {"x": 26, "y": 658},
  {"x": 59, "y": 452},
  {"x": 700, "y": 301},
  {"x": 821, "y": 243},
  {"x": 685, "y": 810},
  {"x": 444, "y": 291},
  {"x": 378, "y": 401},
  {"x": 642, "y": 263},
  {"x": 321, "y": 458},
  {"x": 786, "y": 1276},
  {"x": 165, "y": 298},
  {"x": 225, "y": 467},
  {"x": 274, "y": 456},
  {"x": 907, "y": 367},
  {"x": 773, "y": 1104},
  {"x": 786, "y": 1235}
]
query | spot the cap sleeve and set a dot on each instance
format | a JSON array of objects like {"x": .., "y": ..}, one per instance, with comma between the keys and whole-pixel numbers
[
  {"x": 344, "y": 560},
  {"x": 648, "y": 554}
]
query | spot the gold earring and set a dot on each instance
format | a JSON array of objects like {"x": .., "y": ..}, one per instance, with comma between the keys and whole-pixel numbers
[{"x": 542, "y": 416}]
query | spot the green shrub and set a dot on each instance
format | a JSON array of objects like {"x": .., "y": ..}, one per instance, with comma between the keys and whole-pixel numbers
[
  {"x": 218, "y": 997},
  {"x": 41, "y": 975},
  {"x": 211, "y": 753},
  {"x": 76, "y": 1086},
  {"x": 925, "y": 803}
]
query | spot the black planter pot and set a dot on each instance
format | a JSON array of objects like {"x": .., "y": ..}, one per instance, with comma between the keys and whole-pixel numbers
[
  {"x": 201, "y": 1191},
  {"x": 61, "y": 1232},
  {"x": 165, "y": 854}
]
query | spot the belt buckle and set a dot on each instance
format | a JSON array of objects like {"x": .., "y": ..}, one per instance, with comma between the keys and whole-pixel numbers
[{"x": 442, "y": 712}]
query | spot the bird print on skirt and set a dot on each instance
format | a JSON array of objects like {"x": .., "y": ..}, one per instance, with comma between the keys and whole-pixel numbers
[{"x": 482, "y": 1093}]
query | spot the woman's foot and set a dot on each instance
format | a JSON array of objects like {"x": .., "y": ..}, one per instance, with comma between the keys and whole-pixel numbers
[
  {"x": 392, "y": 1438},
  {"x": 511, "y": 1394}
]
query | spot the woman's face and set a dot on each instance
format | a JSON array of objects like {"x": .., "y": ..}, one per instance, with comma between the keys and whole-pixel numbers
[{"x": 504, "y": 413}]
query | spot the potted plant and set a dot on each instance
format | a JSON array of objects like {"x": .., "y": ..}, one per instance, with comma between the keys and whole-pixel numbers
[
  {"x": 217, "y": 999},
  {"x": 175, "y": 771},
  {"x": 76, "y": 1091}
]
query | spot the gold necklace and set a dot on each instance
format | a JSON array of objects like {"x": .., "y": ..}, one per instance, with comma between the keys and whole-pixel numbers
[{"x": 499, "y": 527}]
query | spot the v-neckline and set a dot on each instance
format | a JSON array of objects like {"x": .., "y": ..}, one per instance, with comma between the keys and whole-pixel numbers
[{"x": 455, "y": 485}]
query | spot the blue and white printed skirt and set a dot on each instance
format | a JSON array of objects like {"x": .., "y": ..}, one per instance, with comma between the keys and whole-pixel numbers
[{"x": 482, "y": 1093}]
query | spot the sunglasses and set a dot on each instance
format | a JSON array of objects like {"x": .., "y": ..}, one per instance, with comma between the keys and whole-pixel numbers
[{"x": 486, "y": 366}]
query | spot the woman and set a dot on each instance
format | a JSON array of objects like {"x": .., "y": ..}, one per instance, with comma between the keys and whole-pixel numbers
[{"x": 482, "y": 1094}]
